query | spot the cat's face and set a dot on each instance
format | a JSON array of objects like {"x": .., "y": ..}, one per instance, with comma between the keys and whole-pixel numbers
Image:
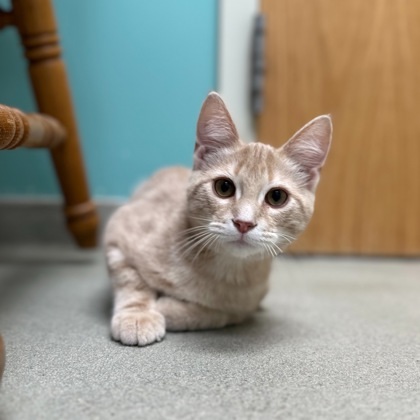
[{"x": 252, "y": 199}]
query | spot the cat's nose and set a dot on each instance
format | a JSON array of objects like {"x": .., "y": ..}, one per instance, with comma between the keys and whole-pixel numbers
[{"x": 243, "y": 226}]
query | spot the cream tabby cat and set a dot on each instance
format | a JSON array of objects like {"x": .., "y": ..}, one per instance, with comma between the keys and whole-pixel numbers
[{"x": 192, "y": 249}]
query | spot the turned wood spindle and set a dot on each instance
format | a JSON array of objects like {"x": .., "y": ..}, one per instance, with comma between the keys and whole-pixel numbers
[
  {"x": 33, "y": 130},
  {"x": 37, "y": 28}
]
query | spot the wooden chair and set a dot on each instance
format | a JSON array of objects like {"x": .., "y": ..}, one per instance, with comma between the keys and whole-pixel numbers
[{"x": 56, "y": 127}]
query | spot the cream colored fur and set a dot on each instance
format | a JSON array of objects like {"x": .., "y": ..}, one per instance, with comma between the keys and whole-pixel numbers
[{"x": 175, "y": 257}]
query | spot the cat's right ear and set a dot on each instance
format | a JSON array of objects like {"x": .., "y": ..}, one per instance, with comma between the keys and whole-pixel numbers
[
  {"x": 308, "y": 149},
  {"x": 215, "y": 130}
]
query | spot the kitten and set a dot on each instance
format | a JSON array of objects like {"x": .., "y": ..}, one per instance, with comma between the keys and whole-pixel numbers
[{"x": 192, "y": 249}]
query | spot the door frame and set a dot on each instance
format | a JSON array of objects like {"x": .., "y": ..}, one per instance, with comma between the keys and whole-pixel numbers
[{"x": 235, "y": 27}]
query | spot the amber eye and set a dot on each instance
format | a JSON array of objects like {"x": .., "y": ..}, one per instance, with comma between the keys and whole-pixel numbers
[
  {"x": 276, "y": 197},
  {"x": 224, "y": 187}
]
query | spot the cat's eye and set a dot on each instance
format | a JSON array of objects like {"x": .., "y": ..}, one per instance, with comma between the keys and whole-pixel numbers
[
  {"x": 224, "y": 187},
  {"x": 276, "y": 197}
]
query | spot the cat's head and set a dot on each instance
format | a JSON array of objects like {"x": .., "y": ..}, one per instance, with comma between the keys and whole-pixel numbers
[{"x": 252, "y": 199}]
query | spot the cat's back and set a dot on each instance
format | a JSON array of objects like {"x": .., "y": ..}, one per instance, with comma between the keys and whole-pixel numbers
[
  {"x": 154, "y": 207},
  {"x": 164, "y": 186}
]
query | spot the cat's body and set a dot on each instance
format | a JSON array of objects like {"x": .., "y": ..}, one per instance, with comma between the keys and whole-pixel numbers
[
  {"x": 150, "y": 232},
  {"x": 193, "y": 249}
]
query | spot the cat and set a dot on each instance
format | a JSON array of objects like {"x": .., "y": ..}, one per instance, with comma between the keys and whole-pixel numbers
[{"x": 192, "y": 249}]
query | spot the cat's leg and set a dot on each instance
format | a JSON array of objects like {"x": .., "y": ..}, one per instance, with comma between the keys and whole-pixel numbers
[
  {"x": 183, "y": 316},
  {"x": 135, "y": 320}
]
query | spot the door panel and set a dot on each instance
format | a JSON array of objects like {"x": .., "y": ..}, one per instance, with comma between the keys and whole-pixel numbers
[{"x": 358, "y": 60}]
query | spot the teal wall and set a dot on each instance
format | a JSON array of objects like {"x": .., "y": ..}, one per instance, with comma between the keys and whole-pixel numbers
[{"x": 138, "y": 70}]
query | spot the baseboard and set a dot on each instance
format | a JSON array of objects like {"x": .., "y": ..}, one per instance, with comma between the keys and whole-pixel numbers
[{"x": 41, "y": 220}]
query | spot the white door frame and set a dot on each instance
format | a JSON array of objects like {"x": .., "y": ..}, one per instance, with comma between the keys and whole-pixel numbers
[{"x": 236, "y": 19}]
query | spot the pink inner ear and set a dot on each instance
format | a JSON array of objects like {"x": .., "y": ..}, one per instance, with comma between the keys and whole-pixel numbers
[
  {"x": 215, "y": 129},
  {"x": 309, "y": 154},
  {"x": 309, "y": 147}
]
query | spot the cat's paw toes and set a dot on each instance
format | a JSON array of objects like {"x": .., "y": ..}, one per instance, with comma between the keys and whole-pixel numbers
[{"x": 138, "y": 328}]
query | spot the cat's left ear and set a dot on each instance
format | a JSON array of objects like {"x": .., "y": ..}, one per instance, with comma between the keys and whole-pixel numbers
[
  {"x": 309, "y": 147},
  {"x": 215, "y": 130}
]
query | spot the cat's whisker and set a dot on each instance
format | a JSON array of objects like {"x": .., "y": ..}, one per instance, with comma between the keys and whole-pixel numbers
[
  {"x": 219, "y": 243},
  {"x": 288, "y": 238},
  {"x": 190, "y": 246},
  {"x": 213, "y": 242},
  {"x": 206, "y": 243},
  {"x": 194, "y": 228},
  {"x": 273, "y": 236},
  {"x": 191, "y": 240},
  {"x": 187, "y": 235},
  {"x": 272, "y": 248},
  {"x": 195, "y": 244},
  {"x": 188, "y": 249},
  {"x": 216, "y": 242},
  {"x": 267, "y": 249},
  {"x": 210, "y": 243},
  {"x": 289, "y": 241},
  {"x": 276, "y": 246},
  {"x": 267, "y": 246},
  {"x": 276, "y": 249}
]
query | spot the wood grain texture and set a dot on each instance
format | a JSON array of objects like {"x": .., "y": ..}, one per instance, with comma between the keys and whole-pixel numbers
[
  {"x": 36, "y": 24},
  {"x": 32, "y": 130},
  {"x": 358, "y": 61}
]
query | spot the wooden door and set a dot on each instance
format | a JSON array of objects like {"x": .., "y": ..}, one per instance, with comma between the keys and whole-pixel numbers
[{"x": 360, "y": 61}]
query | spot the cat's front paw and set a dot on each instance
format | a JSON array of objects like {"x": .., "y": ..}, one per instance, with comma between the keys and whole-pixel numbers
[{"x": 138, "y": 328}]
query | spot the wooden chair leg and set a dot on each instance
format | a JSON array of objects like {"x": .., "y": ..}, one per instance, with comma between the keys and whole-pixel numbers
[
  {"x": 36, "y": 24},
  {"x": 18, "y": 129}
]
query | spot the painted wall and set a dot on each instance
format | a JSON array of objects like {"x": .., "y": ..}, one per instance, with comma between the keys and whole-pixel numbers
[{"x": 139, "y": 71}]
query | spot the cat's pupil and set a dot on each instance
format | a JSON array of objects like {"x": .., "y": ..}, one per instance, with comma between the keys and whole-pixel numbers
[
  {"x": 276, "y": 195},
  {"x": 225, "y": 186}
]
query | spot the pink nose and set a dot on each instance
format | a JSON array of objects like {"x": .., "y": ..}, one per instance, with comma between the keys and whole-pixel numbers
[{"x": 242, "y": 226}]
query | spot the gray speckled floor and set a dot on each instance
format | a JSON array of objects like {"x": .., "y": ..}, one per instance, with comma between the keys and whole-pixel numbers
[{"x": 336, "y": 339}]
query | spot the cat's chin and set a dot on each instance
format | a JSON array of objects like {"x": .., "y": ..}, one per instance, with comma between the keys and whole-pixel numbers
[{"x": 241, "y": 249}]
